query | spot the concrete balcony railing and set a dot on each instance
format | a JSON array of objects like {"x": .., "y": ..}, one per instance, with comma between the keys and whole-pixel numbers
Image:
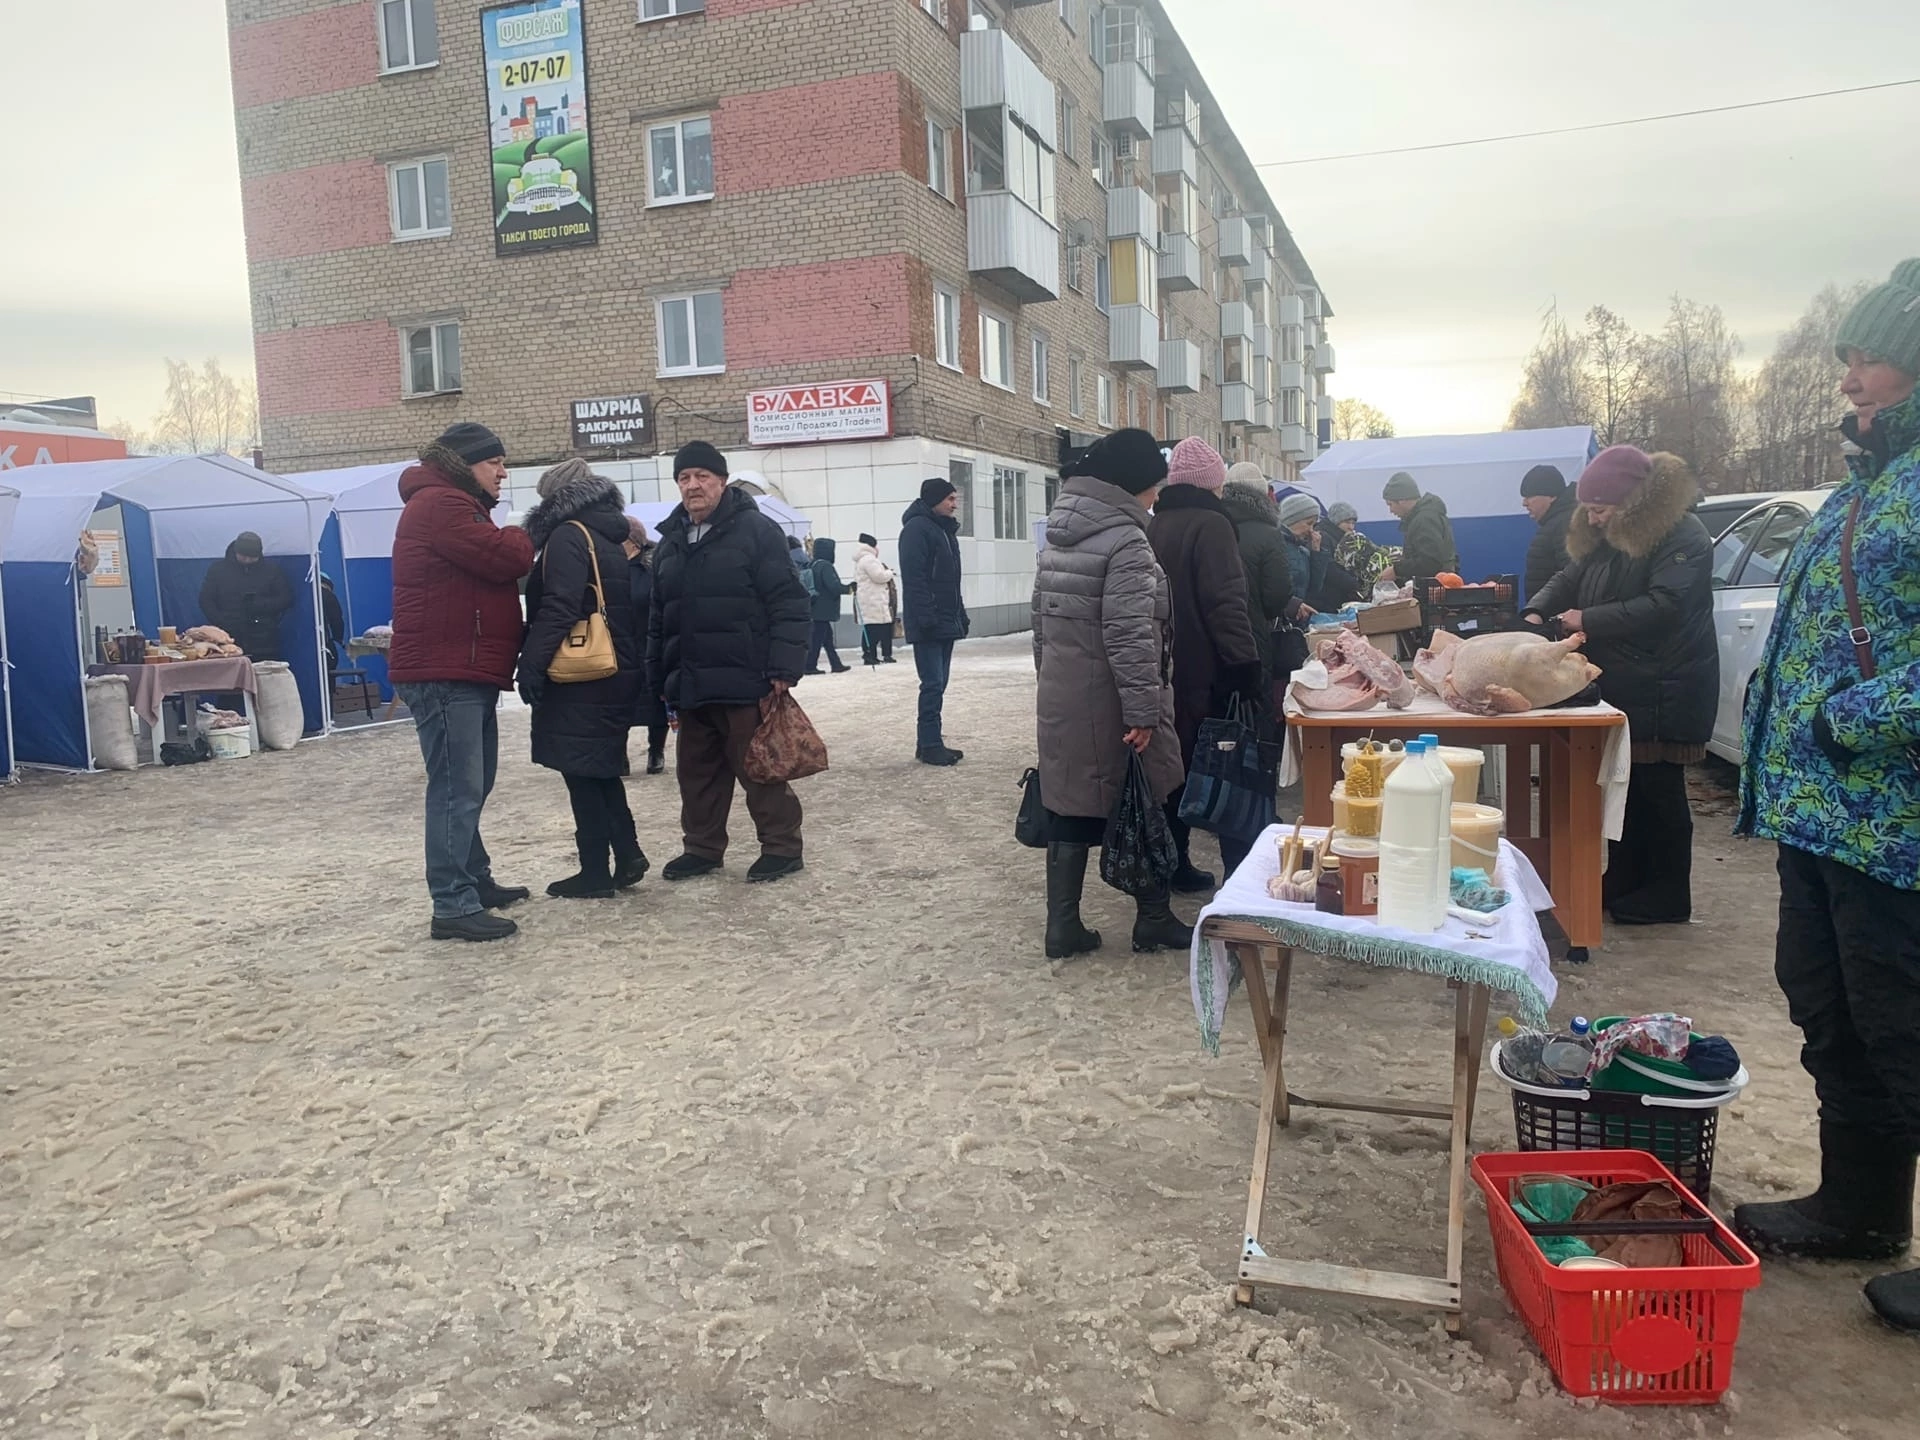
[
  {"x": 1180, "y": 264},
  {"x": 1133, "y": 338},
  {"x": 1180, "y": 366},
  {"x": 1236, "y": 241},
  {"x": 1132, "y": 214},
  {"x": 1237, "y": 404},
  {"x": 1013, "y": 246}
]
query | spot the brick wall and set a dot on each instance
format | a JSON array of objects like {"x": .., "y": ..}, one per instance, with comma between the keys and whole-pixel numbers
[
  {"x": 843, "y": 311},
  {"x": 804, "y": 134},
  {"x": 315, "y": 53},
  {"x": 326, "y": 371},
  {"x": 313, "y": 211}
]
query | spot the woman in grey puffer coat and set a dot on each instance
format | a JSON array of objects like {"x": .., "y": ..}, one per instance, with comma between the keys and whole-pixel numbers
[{"x": 1102, "y": 642}]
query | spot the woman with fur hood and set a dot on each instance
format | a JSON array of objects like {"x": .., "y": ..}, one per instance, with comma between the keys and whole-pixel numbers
[
  {"x": 580, "y": 529},
  {"x": 1639, "y": 585}
]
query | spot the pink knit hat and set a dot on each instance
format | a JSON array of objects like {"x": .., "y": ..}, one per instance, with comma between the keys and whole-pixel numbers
[
  {"x": 1197, "y": 463},
  {"x": 1614, "y": 474}
]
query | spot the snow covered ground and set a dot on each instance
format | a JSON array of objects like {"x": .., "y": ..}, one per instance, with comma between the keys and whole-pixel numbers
[{"x": 840, "y": 1157}]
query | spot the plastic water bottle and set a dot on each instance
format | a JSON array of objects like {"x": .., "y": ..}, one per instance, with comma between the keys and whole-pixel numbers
[
  {"x": 1567, "y": 1058},
  {"x": 1414, "y": 814},
  {"x": 1442, "y": 772}
]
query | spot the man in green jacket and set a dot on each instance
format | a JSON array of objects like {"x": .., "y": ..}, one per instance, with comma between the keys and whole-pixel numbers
[
  {"x": 1833, "y": 775},
  {"x": 1426, "y": 535}
]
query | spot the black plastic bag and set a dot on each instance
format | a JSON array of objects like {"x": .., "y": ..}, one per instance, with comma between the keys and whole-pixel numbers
[
  {"x": 179, "y": 752},
  {"x": 1233, "y": 782},
  {"x": 1030, "y": 825},
  {"x": 1138, "y": 856}
]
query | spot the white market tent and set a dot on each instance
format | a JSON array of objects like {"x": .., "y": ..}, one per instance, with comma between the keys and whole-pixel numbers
[
  {"x": 9, "y": 500},
  {"x": 178, "y": 515},
  {"x": 1478, "y": 476}
]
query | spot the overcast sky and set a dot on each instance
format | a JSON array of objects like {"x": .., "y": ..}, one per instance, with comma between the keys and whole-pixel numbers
[{"x": 125, "y": 242}]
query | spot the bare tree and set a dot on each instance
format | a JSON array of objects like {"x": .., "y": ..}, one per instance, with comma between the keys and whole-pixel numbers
[
  {"x": 1794, "y": 401},
  {"x": 138, "y": 442},
  {"x": 1696, "y": 408},
  {"x": 206, "y": 411},
  {"x": 1357, "y": 420},
  {"x": 1555, "y": 389},
  {"x": 1619, "y": 371}
]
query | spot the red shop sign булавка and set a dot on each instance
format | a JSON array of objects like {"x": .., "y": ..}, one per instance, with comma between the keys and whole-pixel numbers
[{"x": 838, "y": 410}]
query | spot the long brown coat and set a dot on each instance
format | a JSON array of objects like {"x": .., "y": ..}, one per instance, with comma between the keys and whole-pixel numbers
[
  {"x": 1102, "y": 642},
  {"x": 1214, "y": 653}
]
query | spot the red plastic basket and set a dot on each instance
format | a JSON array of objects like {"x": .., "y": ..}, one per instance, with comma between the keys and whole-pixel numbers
[{"x": 1628, "y": 1337}]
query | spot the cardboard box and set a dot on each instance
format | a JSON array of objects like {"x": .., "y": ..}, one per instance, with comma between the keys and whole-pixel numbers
[{"x": 1390, "y": 617}]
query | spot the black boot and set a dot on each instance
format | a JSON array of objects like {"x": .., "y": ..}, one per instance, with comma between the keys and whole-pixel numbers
[
  {"x": 1896, "y": 1299},
  {"x": 1066, "y": 876},
  {"x": 629, "y": 860},
  {"x": 656, "y": 762},
  {"x": 595, "y": 880},
  {"x": 1156, "y": 927},
  {"x": 1863, "y": 1209}
]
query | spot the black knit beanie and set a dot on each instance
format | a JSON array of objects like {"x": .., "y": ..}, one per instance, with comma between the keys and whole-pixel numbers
[
  {"x": 933, "y": 491},
  {"x": 698, "y": 455},
  {"x": 1130, "y": 459},
  {"x": 869, "y": 540},
  {"x": 472, "y": 442},
  {"x": 1542, "y": 482}
]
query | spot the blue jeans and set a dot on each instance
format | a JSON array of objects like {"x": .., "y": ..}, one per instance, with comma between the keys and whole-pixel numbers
[
  {"x": 933, "y": 659},
  {"x": 459, "y": 729}
]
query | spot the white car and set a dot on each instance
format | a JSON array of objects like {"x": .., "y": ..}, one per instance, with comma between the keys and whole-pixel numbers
[{"x": 1747, "y": 560}]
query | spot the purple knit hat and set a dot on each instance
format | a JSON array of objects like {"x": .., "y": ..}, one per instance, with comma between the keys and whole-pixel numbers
[
  {"x": 1614, "y": 474},
  {"x": 1197, "y": 463}
]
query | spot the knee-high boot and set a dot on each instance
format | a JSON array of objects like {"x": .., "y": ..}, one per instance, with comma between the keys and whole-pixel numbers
[{"x": 1066, "y": 877}]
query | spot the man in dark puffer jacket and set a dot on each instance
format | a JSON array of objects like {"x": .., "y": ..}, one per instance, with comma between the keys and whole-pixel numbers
[
  {"x": 729, "y": 627},
  {"x": 1546, "y": 496}
]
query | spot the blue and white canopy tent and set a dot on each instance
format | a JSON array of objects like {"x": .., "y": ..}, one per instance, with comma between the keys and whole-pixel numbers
[
  {"x": 178, "y": 515},
  {"x": 9, "y": 499},
  {"x": 1478, "y": 476}
]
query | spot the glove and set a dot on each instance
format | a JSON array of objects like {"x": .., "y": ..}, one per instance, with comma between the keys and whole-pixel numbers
[
  {"x": 1830, "y": 747},
  {"x": 532, "y": 691},
  {"x": 1244, "y": 681}
]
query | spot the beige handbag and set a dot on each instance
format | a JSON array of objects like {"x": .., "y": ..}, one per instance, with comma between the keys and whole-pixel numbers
[{"x": 587, "y": 653}]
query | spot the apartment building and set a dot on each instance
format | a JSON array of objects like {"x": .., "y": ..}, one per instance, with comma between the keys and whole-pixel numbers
[{"x": 852, "y": 242}]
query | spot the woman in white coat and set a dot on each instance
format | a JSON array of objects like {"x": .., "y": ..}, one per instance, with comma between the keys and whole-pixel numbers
[{"x": 874, "y": 598}]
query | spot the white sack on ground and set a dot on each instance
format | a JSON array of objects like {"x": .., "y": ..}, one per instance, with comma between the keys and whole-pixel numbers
[
  {"x": 278, "y": 701},
  {"x": 110, "y": 723}
]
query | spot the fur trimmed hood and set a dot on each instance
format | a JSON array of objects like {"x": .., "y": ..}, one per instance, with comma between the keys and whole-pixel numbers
[
  {"x": 1248, "y": 503},
  {"x": 571, "y": 502},
  {"x": 1645, "y": 519},
  {"x": 455, "y": 471}
]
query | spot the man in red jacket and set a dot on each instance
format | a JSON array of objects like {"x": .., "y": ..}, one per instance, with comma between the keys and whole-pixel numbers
[{"x": 457, "y": 629}]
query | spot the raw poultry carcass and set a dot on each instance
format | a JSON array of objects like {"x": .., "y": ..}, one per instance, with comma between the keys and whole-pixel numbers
[
  {"x": 1349, "y": 674},
  {"x": 1504, "y": 674}
]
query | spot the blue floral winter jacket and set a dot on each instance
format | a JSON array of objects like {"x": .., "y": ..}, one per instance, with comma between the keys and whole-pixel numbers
[{"x": 1866, "y": 813}]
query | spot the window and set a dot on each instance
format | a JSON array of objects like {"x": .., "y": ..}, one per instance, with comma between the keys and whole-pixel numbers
[
  {"x": 946, "y": 326},
  {"x": 1102, "y": 283},
  {"x": 1042, "y": 363},
  {"x": 1771, "y": 549},
  {"x": 680, "y": 161},
  {"x": 939, "y": 159},
  {"x": 1069, "y": 124},
  {"x": 431, "y": 356},
  {"x": 1179, "y": 205},
  {"x": 986, "y": 152},
  {"x": 1103, "y": 395},
  {"x": 1134, "y": 274},
  {"x": 937, "y": 9},
  {"x": 417, "y": 192},
  {"x": 1728, "y": 550},
  {"x": 1074, "y": 366},
  {"x": 1050, "y": 487},
  {"x": 1009, "y": 503},
  {"x": 1129, "y": 36},
  {"x": 996, "y": 350},
  {"x": 662, "y": 9},
  {"x": 1099, "y": 153},
  {"x": 960, "y": 474},
  {"x": 408, "y": 39},
  {"x": 978, "y": 10},
  {"x": 691, "y": 336},
  {"x": 1292, "y": 411},
  {"x": 1233, "y": 361}
]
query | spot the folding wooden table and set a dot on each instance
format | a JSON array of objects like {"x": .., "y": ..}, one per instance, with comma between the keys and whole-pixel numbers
[
  {"x": 1260, "y": 954},
  {"x": 1566, "y": 846}
]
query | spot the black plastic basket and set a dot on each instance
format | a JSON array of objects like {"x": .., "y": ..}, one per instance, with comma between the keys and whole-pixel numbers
[
  {"x": 1472, "y": 610},
  {"x": 1678, "y": 1133}
]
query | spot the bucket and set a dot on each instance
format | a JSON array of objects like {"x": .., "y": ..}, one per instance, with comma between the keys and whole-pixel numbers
[
  {"x": 232, "y": 744},
  {"x": 1465, "y": 764},
  {"x": 1476, "y": 835}
]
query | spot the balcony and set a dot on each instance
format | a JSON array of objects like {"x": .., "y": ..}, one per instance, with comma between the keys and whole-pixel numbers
[
  {"x": 1293, "y": 376},
  {"x": 1322, "y": 355},
  {"x": 1131, "y": 214},
  {"x": 1259, "y": 277},
  {"x": 1236, "y": 320},
  {"x": 1293, "y": 442},
  {"x": 1180, "y": 366},
  {"x": 1262, "y": 340},
  {"x": 995, "y": 71},
  {"x": 1236, "y": 241},
  {"x": 1180, "y": 264},
  {"x": 1310, "y": 297},
  {"x": 1174, "y": 153},
  {"x": 1262, "y": 415},
  {"x": 1133, "y": 338},
  {"x": 1127, "y": 99},
  {"x": 1237, "y": 404},
  {"x": 1262, "y": 377},
  {"x": 1013, "y": 246},
  {"x": 1293, "y": 311}
]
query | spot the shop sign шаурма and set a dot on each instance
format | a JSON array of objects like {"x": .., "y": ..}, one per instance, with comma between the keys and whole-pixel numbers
[{"x": 614, "y": 422}]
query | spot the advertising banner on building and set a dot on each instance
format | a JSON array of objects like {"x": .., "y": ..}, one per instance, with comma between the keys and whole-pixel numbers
[
  {"x": 803, "y": 414},
  {"x": 616, "y": 422},
  {"x": 536, "y": 57}
]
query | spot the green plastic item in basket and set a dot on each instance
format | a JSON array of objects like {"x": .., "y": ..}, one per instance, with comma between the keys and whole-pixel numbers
[{"x": 1623, "y": 1079}]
